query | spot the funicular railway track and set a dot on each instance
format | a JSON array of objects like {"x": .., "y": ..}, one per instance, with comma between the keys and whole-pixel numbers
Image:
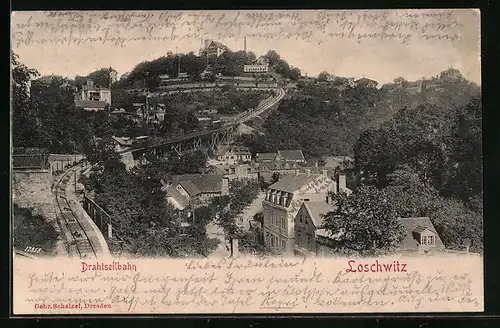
[{"x": 79, "y": 237}]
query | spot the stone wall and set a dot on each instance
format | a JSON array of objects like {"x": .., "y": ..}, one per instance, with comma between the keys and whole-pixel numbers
[{"x": 31, "y": 189}]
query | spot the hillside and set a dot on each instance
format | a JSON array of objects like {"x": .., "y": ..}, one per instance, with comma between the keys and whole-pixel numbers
[{"x": 323, "y": 119}]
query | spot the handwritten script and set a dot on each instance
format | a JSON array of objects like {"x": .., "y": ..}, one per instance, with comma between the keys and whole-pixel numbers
[
  {"x": 120, "y": 28},
  {"x": 250, "y": 285}
]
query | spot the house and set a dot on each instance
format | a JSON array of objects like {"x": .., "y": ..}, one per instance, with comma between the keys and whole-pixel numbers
[
  {"x": 420, "y": 236},
  {"x": 451, "y": 74},
  {"x": 266, "y": 169},
  {"x": 113, "y": 75},
  {"x": 265, "y": 157},
  {"x": 260, "y": 65},
  {"x": 93, "y": 93},
  {"x": 235, "y": 171},
  {"x": 292, "y": 156},
  {"x": 199, "y": 188},
  {"x": 364, "y": 82},
  {"x": 214, "y": 48},
  {"x": 308, "y": 221},
  {"x": 337, "y": 162},
  {"x": 232, "y": 155},
  {"x": 282, "y": 202}
]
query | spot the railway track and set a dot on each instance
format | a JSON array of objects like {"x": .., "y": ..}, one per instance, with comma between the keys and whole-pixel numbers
[{"x": 80, "y": 239}]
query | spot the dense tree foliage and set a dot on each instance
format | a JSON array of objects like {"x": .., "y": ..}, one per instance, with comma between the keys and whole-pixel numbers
[
  {"x": 280, "y": 66},
  {"x": 429, "y": 162},
  {"x": 143, "y": 220},
  {"x": 364, "y": 223},
  {"x": 457, "y": 224}
]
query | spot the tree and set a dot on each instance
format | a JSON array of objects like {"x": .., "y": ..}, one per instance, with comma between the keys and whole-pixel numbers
[
  {"x": 400, "y": 81},
  {"x": 364, "y": 222},
  {"x": 457, "y": 225},
  {"x": 272, "y": 57},
  {"x": 294, "y": 74},
  {"x": 25, "y": 127},
  {"x": 323, "y": 76}
]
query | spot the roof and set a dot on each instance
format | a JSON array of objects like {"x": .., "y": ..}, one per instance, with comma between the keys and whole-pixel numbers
[
  {"x": 174, "y": 193},
  {"x": 316, "y": 210},
  {"x": 218, "y": 45},
  {"x": 291, "y": 155},
  {"x": 280, "y": 165},
  {"x": 326, "y": 234},
  {"x": 313, "y": 161},
  {"x": 190, "y": 188},
  {"x": 292, "y": 183},
  {"x": 366, "y": 80},
  {"x": 90, "y": 104},
  {"x": 265, "y": 156},
  {"x": 417, "y": 225},
  {"x": 234, "y": 150},
  {"x": 206, "y": 183},
  {"x": 336, "y": 161}
]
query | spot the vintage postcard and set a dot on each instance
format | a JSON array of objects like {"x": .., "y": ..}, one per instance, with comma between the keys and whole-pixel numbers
[{"x": 246, "y": 162}]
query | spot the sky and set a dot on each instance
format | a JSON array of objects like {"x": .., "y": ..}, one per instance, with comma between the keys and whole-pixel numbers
[{"x": 314, "y": 51}]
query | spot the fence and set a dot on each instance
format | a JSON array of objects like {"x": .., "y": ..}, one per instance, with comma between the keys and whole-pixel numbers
[
  {"x": 36, "y": 160},
  {"x": 58, "y": 162},
  {"x": 102, "y": 219}
]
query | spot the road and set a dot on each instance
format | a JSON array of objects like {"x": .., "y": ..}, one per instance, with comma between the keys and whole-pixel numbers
[
  {"x": 249, "y": 212},
  {"x": 214, "y": 231}
]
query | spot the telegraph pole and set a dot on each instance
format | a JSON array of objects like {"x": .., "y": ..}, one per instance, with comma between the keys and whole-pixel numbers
[{"x": 179, "y": 61}]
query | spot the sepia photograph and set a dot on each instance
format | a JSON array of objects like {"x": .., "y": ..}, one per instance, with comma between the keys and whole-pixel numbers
[{"x": 254, "y": 149}]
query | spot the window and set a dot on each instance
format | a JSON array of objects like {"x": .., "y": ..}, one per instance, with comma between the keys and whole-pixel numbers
[
  {"x": 283, "y": 245},
  {"x": 428, "y": 240},
  {"x": 301, "y": 218},
  {"x": 309, "y": 243}
]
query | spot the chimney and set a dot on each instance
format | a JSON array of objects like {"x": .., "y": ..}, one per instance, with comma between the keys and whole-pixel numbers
[
  {"x": 245, "y": 44},
  {"x": 341, "y": 182}
]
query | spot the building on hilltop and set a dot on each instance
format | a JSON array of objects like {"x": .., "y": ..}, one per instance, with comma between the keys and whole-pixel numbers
[
  {"x": 284, "y": 199},
  {"x": 365, "y": 82},
  {"x": 214, "y": 48},
  {"x": 260, "y": 65},
  {"x": 91, "y": 97}
]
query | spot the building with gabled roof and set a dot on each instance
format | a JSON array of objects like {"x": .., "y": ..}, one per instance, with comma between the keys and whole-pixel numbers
[
  {"x": 284, "y": 199},
  {"x": 308, "y": 221},
  {"x": 420, "y": 235},
  {"x": 282, "y": 155},
  {"x": 214, "y": 48},
  {"x": 292, "y": 155},
  {"x": 365, "y": 82}
]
